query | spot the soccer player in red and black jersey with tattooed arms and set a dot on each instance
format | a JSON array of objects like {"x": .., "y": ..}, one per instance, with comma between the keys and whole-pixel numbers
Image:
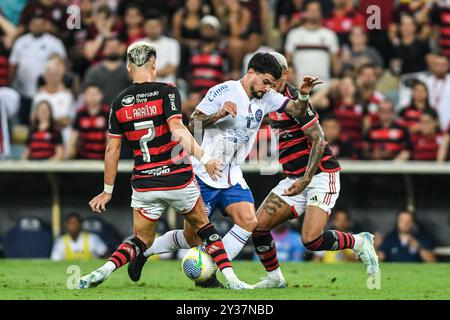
[
  {"x": 311, "y": 188},
  {"x": 148, "y": 115}
]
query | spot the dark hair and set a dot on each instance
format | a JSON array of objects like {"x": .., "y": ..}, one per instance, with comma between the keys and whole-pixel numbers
[
  {"x": 153, "y": 14},
  {"x": 35, "y": 121},
  {"x": 416, "y": 82},
  {"x": 73, "y": 215},
  {"x": 364, "y": 66},
  {"x": 264, "y": 62},
  {"x": 432, "y": 113},
  {"x": 90, "y": 85}
]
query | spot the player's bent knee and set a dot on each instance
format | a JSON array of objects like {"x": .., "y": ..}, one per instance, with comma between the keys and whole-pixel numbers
[
  {"x": 309, "y": 236},
  {"x": 248, "y": 224}
]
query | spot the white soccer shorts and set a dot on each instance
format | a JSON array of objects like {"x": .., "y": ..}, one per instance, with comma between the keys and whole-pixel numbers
[
  {"x": 322, "y": 192},
  {"x": 152, "y": 204}
]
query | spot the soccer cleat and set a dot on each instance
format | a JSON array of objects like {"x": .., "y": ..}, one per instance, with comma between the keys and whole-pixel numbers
[
  {"x": 93, "y": 279},
  {"x": 271, "y": 282},
  {"x": 236, "y": 284},
  {"x": 366, "y": 253},
  {"x": 212, "y": 282},
  {"x": 135, "y": 267}
]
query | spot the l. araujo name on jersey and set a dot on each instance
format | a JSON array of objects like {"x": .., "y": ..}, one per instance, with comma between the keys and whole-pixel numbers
[
  {"x": 230, "y": 139},
  {"x": 142, "y": 113}
]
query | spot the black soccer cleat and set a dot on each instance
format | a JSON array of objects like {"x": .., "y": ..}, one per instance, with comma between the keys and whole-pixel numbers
[
  {"x": 135, "y": 267},
  {"x": 212, "y": 282}
]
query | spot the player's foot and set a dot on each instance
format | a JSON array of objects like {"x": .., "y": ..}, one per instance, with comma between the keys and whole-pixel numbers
[
  {"x": 212, "y": 282},
  {"x": 236, "y": 284},
  {"x": 135, "y": 267},
  {"x": 366, "y": 253},
  {"x": 271, "y": 282},
  {"x": 93, "y": 279}
]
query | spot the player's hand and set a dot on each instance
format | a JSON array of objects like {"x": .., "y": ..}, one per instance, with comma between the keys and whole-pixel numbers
[
  {"x": 308, "y": 84},
  {"x": 214, "y": 168},
  {"x": 297, "y": 187},
  {"x": 98, "y": 203},
  {"x": 228, "y": 108}
]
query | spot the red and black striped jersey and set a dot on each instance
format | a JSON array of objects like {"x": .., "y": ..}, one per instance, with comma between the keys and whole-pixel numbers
[
  {"x": 409, "y": 116},
  {"x": 42, "y": 144},
  {"x": 293, "y": 146},
  {"x": 91, "y": 133},
  {"x": 141, "y": 113},
  {"x": 393, "y": 139},
  {"x": 206, "y": 69},
  {"x": 350, "y": 118},
  {"x": 426, "y": 148}
]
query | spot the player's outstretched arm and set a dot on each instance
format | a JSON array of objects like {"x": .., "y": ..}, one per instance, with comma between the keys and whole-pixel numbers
[
  {"x": 315, "y": 135},
  {"x": 112, "y": 156},
  {"x": 298, "y": 108},
  {"x": 207, "y": 121},
  {"x": 181, "y": 134}
]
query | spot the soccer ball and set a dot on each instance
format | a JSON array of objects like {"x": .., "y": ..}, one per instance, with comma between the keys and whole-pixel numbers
[{"x": 197, "y": 265}]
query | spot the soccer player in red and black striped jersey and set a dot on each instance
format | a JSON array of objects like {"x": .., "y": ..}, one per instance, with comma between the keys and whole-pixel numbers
[
  {"x": 311, "y": 188},
  {"x": 148, "y": 115},
  {"x": 44, "y": 139},
  {"x": 88, "y": 139}
]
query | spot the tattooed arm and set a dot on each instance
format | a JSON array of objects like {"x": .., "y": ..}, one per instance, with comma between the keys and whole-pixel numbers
[
  {"x": 297, "y": 108},
  {"x": 315, "y": 136},
  {"x": 208, "y": 120}
]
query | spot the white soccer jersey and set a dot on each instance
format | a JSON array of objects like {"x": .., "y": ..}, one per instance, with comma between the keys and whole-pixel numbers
[{"x": 230, "y": 139}]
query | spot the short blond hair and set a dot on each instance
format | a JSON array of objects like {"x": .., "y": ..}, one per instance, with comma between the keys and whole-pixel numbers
[{"x": 140, "y": 52}]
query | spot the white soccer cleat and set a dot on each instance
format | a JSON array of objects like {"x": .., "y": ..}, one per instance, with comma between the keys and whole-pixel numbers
[
  {"x": 271, "y": 282},
  {"x": 93, "y": 279},
  {"x": 236, "y": 284},
  {"x": 366, "y": 253}
]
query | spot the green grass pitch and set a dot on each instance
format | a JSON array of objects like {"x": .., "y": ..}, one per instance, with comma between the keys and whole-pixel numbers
[{"x": 42, "y": 279}]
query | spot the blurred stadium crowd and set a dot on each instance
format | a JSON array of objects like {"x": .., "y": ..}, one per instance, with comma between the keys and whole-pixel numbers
[{"x": 386, "y": 94}]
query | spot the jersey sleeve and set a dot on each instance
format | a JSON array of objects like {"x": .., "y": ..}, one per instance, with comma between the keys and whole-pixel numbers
[
  {"x": 212, "y": 101},
  {"x": 172, "y": 104},
  {"x": 309, "y": 119},
  {"x": 275, "y": 101},
  {"x": 114, "y": 129}
]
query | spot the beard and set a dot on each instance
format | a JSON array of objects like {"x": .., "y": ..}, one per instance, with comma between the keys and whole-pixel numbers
[{"x": 256, "y": 94}]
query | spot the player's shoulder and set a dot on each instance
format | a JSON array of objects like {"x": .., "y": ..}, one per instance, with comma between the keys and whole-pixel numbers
[
  {"x": 291, "y": 92},
  {"x": 221, "y": 89}
]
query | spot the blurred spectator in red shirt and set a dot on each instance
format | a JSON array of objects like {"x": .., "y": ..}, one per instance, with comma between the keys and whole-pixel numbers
[
  {"x": 343, "y": 17},
  {"x": 387, "y": 140},
  {"x": 134, "y": 20},
  {"x": 88, "y": 139},
  {"x": 105, "y": 25},
  {"x": 290, "y": 15},
  {"x": 409, "y": 115},
  {"x": 44, "y": 139},
  {"x": 207, "y": 65},
  {"x": 54, "y": 13},
  {"x": 428, "y": 143},
  {"x": 440, "y": 17},
  {"x": 341, "y": 144}
]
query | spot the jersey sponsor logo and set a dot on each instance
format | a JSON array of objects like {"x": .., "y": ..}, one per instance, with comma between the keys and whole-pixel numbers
[
  {"x": 157, "y": 171},
  {"x": 143, "y": 97},
  {"x": 127, "y": 101},
  {"x": 214, "y": 237},
  {"x": 173, "y": 105},
  {"x": 213, "y": 94},
  {"x": 258, "y": 115}
]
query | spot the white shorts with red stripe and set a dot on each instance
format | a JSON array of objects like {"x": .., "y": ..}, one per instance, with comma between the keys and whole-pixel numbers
[
  {"x": 152, "y": 204},
  {"x": 322, "y": 192}
]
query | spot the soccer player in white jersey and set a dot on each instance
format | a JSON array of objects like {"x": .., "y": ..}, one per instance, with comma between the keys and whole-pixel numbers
[{"x": 231, "y": 114}]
